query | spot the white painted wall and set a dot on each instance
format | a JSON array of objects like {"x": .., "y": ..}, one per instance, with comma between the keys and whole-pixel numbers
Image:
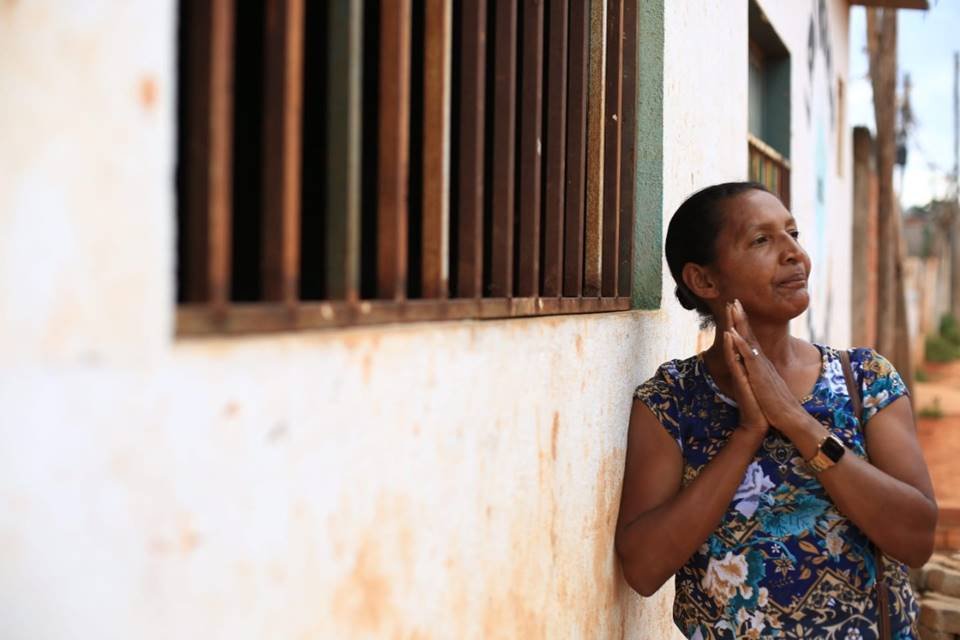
[
  {"x": 705, "y": 98},
  {"x": 421, "y": 481}
]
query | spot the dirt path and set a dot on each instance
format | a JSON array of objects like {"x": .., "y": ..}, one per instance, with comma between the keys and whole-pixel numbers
[{"x": 940, "y": 437}]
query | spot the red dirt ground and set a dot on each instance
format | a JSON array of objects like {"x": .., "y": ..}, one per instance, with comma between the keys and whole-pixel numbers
[{"x": 940, "y": 439}]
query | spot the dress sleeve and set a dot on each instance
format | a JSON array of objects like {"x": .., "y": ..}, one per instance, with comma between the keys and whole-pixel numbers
[
  {"x": 880, "y": 384},
  {"x": 658, "y": 393}
]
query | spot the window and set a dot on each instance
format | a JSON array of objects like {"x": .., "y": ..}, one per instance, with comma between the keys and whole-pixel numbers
[
  {"x": 768, "y": 110},
  {"x": 407, "y": 160}
]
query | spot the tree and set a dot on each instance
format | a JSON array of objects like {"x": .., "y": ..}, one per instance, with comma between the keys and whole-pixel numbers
[{"x": 892, "y": 335}]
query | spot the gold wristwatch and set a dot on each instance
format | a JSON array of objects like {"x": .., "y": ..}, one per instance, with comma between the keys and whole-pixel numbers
[{"x": 829, "y": 452}]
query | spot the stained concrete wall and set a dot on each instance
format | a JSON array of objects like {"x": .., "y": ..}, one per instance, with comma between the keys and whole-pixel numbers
[{"x": 421, "y": 481}]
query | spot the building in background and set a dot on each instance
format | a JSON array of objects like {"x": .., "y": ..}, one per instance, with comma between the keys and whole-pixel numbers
[{"x": 304, "y": 337}]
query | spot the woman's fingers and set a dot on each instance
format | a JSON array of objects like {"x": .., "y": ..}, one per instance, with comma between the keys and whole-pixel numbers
[
  {"x": 744, "y": 349},
  {"x": 741, "y": 323},
  {"x": 729, "y": 353},
  {"x": 735, "y": 363},
  {"x": 750, "y": 412}
]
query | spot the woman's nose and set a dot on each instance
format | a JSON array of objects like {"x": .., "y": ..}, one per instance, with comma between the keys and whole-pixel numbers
[{"x": 792, "y": 251}]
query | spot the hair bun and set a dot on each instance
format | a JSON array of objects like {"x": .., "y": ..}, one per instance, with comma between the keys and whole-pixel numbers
[{"x": 687, "y": 301}]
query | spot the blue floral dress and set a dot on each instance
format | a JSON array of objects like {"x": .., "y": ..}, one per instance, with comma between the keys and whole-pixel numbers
[{"x": 784, "y": 562}]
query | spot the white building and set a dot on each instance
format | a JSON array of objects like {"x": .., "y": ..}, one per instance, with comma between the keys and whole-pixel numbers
[{"x": 228, "y": 470}]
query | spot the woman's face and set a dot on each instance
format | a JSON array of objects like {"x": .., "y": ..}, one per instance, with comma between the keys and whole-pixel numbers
[{"x": 759, "y": 259}]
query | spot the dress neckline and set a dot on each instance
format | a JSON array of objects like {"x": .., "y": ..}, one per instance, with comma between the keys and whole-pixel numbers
[{"x": 824, "y": 358}]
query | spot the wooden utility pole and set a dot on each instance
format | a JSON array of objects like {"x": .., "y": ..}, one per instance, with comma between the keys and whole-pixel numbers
[
  {"x": 954, "y": 195},
  {"x": 882, "y": 51}
]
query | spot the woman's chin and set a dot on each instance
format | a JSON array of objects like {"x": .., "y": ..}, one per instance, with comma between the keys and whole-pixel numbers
[
  {"x": 789, "y": 307},
  {"x": 799, "y": 305}
]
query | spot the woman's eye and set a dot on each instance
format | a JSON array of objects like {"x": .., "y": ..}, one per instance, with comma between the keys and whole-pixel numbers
[
  {"x": 795, "y": 233},
  {"x": 759, "y": 240}
]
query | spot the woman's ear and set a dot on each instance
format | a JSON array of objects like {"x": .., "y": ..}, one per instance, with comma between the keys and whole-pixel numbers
[{"x": 700, "y": 281}]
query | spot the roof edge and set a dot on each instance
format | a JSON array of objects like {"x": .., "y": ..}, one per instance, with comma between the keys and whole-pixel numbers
[{"x": 894, "y": 4}]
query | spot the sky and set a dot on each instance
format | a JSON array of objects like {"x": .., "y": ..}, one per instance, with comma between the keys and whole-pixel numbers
[{"x": 926, "y": 44}]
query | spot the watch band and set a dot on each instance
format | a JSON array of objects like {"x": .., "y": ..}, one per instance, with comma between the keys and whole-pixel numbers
[{"x": 829, "y": 452}]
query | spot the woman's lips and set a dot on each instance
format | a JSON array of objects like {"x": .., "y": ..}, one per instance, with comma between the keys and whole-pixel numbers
[{"x": 798, "y": 281}]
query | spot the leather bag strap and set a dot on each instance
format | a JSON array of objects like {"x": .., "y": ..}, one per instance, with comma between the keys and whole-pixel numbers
[{"x": 883, "y": 598}]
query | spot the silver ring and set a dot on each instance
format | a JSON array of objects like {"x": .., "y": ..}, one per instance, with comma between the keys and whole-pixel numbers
[{"x": 755, "y": 352}]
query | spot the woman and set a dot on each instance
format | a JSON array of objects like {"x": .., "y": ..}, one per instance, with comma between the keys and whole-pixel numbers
[{"x": 747, "y": 473}]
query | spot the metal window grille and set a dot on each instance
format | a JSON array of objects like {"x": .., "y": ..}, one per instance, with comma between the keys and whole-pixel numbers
[{"x": 349, "y": 162}]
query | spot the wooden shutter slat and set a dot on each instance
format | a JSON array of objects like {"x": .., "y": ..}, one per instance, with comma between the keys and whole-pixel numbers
[
  {"x": 611, "y": 149},
  {"x": 531, "y": 115},
  {"x": 579, "y": 43},
  {"x": 504, "y": 131},
  {"x": 394, "y": 149},
  {"x": 628, "y": 146},
  {"x": 473, "y": 54},
  {"x": 436, "y": 148},
  {"x": 344, "y": 73},
  {"x": 283, "y": 101},
  {"x": 555, "y": 147},
  {"x": 595, "y": 141}
]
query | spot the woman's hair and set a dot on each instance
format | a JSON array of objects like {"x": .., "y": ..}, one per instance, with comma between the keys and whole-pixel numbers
[{"x": 692, "y": 236}]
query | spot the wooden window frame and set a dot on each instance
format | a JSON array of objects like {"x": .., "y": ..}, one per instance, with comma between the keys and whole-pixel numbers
[
  {"x": 564, "y": 110},
  {"x": 765, "y": 164}
]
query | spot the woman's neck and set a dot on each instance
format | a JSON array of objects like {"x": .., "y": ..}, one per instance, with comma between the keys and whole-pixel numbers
[{"x": 775, "y": 341}]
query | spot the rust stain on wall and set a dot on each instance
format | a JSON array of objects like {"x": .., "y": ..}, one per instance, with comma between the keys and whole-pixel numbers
[
  {"x": 148, "y": 92},
  {"x": 184, "y": 540},
  {"x": 367, "y": 367},
  {"x": 554, "y": 432},
  {"x": 607, "y": 582},
  {"x": 363, "y": 600},
  {"x": 382, "y": 550}
]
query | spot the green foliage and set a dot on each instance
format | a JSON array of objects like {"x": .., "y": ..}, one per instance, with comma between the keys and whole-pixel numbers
[
  {"x": 933, "y": 410},
  {"x": 949, "y": 329},
  {"x": 939, "y": 349},
  {"x": 945, "y": 346},
  {"x": 921, "y": 376}
]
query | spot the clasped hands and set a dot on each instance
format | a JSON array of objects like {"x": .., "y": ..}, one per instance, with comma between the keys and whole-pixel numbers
[{"x": 763, "y": 396}]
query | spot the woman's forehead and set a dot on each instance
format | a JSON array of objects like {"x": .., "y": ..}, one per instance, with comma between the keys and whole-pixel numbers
[{"x": 755, "y": 209}]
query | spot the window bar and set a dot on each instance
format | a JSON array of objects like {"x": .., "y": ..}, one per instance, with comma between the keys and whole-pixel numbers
[
  {"x": 394, "y": 147},
  {"x": 555, "y": 148},
  {"x": 473, "y": 52},
  {"x": 283, "y": 105},
  {"x": 436, "y": 148},
  {"x": 628, "y": 149},
  {"x": 611, "y": 161},
  {"x": 595, "y": 145},
  {"x": 504, "y": 132},
  {"x": 576, "y": 149},
  {"x": 208, "y": 183},
  {"x": 785, "y": 186},
  {"x": 343, "y": 159},
  {"x": 531, "y": 132}
]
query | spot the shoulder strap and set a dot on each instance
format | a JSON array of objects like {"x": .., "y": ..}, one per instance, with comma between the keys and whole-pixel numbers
[
  {"x": 852, "y": 388},
  {"x": 883, "y": 599}
]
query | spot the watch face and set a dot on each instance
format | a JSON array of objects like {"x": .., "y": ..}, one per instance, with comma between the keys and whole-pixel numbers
[{"x": 833, "y": 448}]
